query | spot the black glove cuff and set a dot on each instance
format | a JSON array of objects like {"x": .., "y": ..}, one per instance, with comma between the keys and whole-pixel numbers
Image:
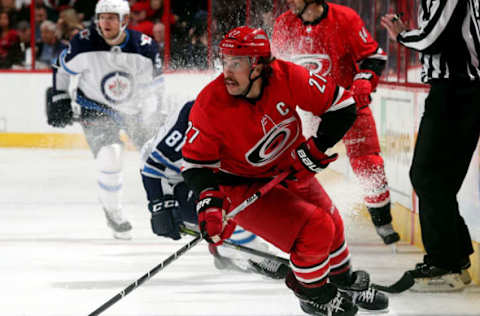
[{"x": 209, "y": 202}]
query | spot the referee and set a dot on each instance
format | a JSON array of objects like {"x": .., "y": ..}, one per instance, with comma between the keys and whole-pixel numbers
[{"x": 449, "y": 43}]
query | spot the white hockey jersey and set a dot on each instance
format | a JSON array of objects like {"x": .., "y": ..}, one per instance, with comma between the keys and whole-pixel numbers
[
  {"x": 162, "y": 155},
  {"x": 126, "y": 77}
]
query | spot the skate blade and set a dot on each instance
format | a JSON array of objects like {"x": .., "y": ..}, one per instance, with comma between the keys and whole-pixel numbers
[
  {"x": 122, "y": 235},
  {"x": 445, "y": 283},
  {"x": 363, "y": 311},
  {"x": 465, "y": 277}
]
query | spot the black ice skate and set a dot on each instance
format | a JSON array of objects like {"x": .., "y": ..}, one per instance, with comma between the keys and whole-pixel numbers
[
  {"x": 382, "y": 219},
  {"x": 429, "y": 278},
  {"x": 225, "y": 263},
  {"x": 325, "y": 300},
  {"x": 363, "y": 295},
  {"x": 120, "y": 226},
  {"x": 270, "y": 268},
  {"x": 387, "y": 233}
]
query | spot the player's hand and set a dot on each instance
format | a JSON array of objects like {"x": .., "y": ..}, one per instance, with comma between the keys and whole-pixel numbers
[
  {"x": 310, "y": 160},
  {"x": 361, "y": 90},
  {"x": 59, "y": 108},
  {"x": 211, "y": 209},
  {"x": 165, "y": 219}
]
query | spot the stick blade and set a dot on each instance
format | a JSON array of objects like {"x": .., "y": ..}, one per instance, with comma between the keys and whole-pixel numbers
[{"x": 405, "y": 282}]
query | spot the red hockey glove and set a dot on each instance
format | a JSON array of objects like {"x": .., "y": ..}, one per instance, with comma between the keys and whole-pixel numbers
[
  {"x": 211, "y": 209},
  {"x": 310, "y": 160},
  {"x": 362, "y": 88}
]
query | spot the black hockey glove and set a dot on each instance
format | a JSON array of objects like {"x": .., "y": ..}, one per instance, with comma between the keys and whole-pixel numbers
[
  {"x": 165, "y": 218},
  {"x": 59, "y": 109}
]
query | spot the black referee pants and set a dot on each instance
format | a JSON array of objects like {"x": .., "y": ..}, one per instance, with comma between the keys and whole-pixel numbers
[{"x": 447, "y": 137}]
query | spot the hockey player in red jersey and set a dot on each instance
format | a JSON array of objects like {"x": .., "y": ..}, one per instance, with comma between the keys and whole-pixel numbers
[
  {"x": 244, "y": 130},
  {"x": 331, "y": 40}
]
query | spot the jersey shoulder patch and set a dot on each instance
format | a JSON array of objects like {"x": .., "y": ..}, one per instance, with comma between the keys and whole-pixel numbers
[{"x": 87, "y": 40}]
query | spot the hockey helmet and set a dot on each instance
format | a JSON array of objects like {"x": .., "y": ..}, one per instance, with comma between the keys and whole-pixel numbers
[
  {"x": 120, "y": 7},
  {"x": 246, "y": 41}
]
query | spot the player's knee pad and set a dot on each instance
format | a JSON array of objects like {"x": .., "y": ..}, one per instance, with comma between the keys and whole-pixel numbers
[
  {"x": 314, "y": 241},
  {"x": 109, "y": 164},
  {"x": 310, "y": 257}
]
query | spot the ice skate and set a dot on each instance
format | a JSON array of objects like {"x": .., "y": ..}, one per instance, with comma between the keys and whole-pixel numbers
[
  {"x": 363, "y": 295},
  {"x": 270, "y": 268},
  {"x": 120, "y": 226},
  {"x": 387, "y": 233},
  {"x": 325, "y": 300},
  {"x": 432, "y": 279}
]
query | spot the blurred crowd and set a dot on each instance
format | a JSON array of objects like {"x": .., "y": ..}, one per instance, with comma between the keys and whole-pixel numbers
[{"x": 57, "y": 21}]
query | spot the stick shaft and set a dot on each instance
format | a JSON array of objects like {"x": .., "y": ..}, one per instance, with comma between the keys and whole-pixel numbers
[
  {"x": 255, "y": 196},
  {"x": 242, "y": 248},
  {"x": 263, "y": 190},
  {"x": 147, "y": 276}
]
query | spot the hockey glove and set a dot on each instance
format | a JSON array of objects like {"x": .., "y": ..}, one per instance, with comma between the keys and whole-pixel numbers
[
  {"x": 59, "y": 109},
  {"x": 310, "y": 160},
  {"x": 362, "y": 88},
  {"x": 211, "y": 209},
  {"x": 165, "y": 219}
]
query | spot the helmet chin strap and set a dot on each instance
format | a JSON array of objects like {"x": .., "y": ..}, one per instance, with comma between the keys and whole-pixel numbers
[{"x": 250, "y": 84}]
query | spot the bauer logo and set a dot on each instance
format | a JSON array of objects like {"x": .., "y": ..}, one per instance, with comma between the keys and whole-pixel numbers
[
  {"x": 201, "y": 204},
  {"x": 117, "y": 87}
]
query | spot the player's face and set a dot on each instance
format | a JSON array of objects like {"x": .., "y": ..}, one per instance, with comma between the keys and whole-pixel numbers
[
  {"x": 296, "y": 6},
  {"x": 109, "y": 23},
  {"x": 236, "y": 70}
]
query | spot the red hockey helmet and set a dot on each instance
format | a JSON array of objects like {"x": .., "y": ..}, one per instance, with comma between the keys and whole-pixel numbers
[{"x": 246, "y": 41}]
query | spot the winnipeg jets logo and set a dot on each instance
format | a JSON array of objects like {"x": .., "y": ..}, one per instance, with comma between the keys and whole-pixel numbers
[
  {"x": 274, "y": 142},
  {"x": 145, "y": 40},
  {"x": 117, "y": 86},
  {"x": 317, "y": 63}
]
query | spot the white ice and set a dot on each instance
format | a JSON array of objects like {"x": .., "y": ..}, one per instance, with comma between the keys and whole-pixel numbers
[{"x": 57, "y": 256}]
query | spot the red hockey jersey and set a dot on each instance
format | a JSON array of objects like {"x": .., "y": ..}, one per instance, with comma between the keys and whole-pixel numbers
[
  {"x": 333, "y": 46},
  {"x": 257, "y": 139}
]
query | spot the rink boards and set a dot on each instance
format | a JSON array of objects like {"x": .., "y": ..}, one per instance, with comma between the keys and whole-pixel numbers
[{"x": 397, "y": 111}]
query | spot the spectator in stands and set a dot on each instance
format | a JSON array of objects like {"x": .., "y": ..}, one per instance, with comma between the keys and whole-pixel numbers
[
  {"x": 159, "y": 36},
  {"x": 85, "y": 10},
  {"x": 9, "y": 49},
  {"x": 68, "y": 24},
  {"x": 40, "y": 17},
  {"x": 25, "y": 59},
  {"x": 155, "y": 12},
  {"x": 197, "y": 49},
  {"x": 50, "y": 46},
  {"x": 139, "y": 20}
]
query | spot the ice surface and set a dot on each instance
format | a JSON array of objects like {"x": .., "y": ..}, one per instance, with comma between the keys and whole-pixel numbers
[{"x": 57, "y": 256}]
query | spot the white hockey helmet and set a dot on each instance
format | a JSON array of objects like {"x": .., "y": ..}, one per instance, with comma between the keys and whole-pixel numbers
[{"x": 120, "y": 7}]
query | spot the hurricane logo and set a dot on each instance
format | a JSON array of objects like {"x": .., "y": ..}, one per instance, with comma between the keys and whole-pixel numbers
[
  {"x": 274, "y": 143},
  {"x": 317, "y": 63},
  {"x": 117, "y": 87}
]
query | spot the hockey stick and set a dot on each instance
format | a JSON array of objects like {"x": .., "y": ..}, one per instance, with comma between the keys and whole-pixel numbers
[
  {"x": 405, "y": 282},
  {"x": 241, "y": 248},
  {"x": 249, "y": 201}
]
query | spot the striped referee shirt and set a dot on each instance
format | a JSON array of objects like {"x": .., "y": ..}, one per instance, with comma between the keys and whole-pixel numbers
[{"x": 448, "y": 39}]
